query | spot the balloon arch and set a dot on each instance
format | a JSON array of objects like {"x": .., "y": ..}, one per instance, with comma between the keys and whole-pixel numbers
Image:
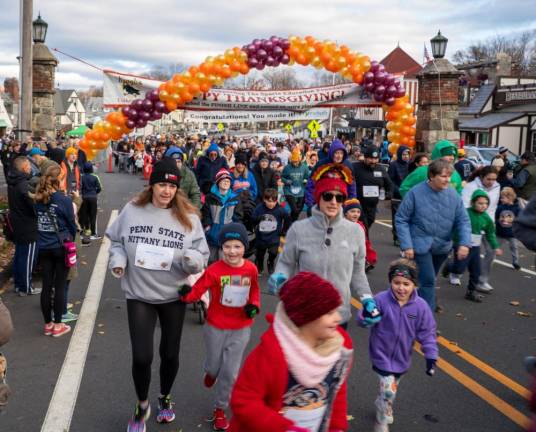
[{"x": 183, "y": 87}]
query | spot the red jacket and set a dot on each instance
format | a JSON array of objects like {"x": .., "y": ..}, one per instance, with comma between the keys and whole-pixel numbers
[
  {"x": 258, "y": 392},
  {"x": 371, "y": 257}
]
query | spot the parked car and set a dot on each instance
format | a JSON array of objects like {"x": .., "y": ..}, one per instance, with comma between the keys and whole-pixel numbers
[{"x": 484, "y": 155}]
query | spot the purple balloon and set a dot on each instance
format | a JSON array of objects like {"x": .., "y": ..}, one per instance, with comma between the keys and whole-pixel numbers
[
  {"x": 140, "y": 123},
  {"x": 131, "y": 124},
  {"x": 125, "y": 110},
  {"x": 268, "y": 45},
  {"x": 379, "y": 89},
  {"x": 368, "y": 77},
  {"x": 138, "y": 104},
  {"x": 156, "y": 115},
  {"x": 255, "y": 41},
  {"x": 285, "y": 59},
  {"x": 276, "y": 63},
  {"x": 144, "y": 115},
  {"x": 369, "y": 87},
  {"x": 285, "y": 44},
  {"x": 401, "y": 91},
  {"x": 270, "y": 61},
  {"x": 132, "y": 114},
  {"x": 152, "y": 96},
  {"x": 374, "y": 66},
  {"x": 160, "y": 106},
  {"x": 260, "y": 66},
  {"x": 390, "y": 101},
  {"x": 379, "y": 77},
  {"x": 390, "y": 91},
  {"x": 252, "y": 62},
  {"x": 277, "y": 51},
  {"x": 261, "y": 54},
  {"x": 251, "y": 49},
  {"x": 147, "y": 105},
  {"x": 389, "y": 80},
  {"x": 378, "y": 97}
]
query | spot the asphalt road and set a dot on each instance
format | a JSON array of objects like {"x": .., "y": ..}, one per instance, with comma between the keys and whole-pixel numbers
[{"x": 479, "y": 386}]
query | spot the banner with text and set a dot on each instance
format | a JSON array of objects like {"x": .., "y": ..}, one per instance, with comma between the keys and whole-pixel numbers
[
  {"x": 121, "y": 89},
  {"x": 255, "y": 116}
]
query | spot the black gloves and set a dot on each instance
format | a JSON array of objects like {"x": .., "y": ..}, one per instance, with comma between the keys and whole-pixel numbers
[
  {"x": 184, "y": 289},
  {"x": 251, "y": 310},
  {"x": 430, "y": 367}
]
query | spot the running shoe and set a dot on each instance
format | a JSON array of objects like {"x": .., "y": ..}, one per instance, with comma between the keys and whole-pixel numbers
[
  {"x": 60, "y": 330},
  {"x": 473, "y": 296},
  {"x": 516, "y": 266},
  {"x": 485, "y": 288},
  {"x": 69, "y": 317},
  {"x": 165, "y": 413},
  {"x": 454, "y": 279},
  {"x": 48, "y": 329},
  {"x": 137, "y": 422},
  {"x": 95, "y": 237},
  {"x": 219, "y": 420}
]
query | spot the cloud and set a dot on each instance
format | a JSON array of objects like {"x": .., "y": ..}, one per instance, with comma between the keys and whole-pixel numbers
[{"x": 132, "y": 36}]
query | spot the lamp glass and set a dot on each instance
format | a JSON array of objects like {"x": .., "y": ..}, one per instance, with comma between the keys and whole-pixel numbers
[{"x": 39, "y": 28}]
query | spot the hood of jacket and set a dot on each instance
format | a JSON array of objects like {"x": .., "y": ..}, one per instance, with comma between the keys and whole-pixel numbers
[
  {"x": 213, "y": 147},
  {"x": 337, "y": 145},
  {"x": 15, "y": 177},
  {"x": 223, "y": 198},
  {"x": 477, "y": 194},
  {"x": 401, "y": 149},
  {"x": 444, "y": 148}
]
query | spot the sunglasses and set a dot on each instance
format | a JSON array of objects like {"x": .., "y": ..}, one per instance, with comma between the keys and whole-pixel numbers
[{"x": 328, "y": 196}]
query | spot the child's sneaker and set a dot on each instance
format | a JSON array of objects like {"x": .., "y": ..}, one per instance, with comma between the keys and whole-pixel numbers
[
  {"x": 137, "y": 422},
  {"x": 165, "y": 412},
  {"x": 60, "y": 330},
  {"x": 219, "y": 420},
  {"x": 209, "y": 381},
  {"x": 69, "y": 317},
  {"x": 516, "y": 266},
  {"x": 48, "y": 329},
  {"x": 454, "y": 279},
  {"x": 473, "y": 296}
]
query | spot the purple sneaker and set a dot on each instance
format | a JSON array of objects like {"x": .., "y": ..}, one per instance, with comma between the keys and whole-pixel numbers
[
  {"x": 137, "y": 422},
  {"x": 165, "y": 410}
]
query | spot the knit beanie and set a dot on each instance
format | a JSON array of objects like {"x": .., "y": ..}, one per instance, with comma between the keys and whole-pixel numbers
[
  {"x": 241, "y": 158},
  {"x": 371, "y": 152},
  {"x": 165, "y": 171},
  {"x": 174, "y": 152},
  {"x": 306, "y": 297},
  {"x": 222, "y": 174},
  {"x": 70, "y": 151},
  {"x": 234, "y": 231},
  {"x": 263, "y": 156},
  {"x": 88, "y": 168},
  {"x": 295, "y": 156},
  {"x": 350, "y": 204}
]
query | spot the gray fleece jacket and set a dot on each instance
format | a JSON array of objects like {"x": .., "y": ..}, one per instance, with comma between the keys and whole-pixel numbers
[
  {"x": 156, "y": 252},
  {"x": 342, "y": 262}
]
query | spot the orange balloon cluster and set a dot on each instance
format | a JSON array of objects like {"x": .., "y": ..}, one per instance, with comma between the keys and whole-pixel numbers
[
  {"x": 183, "y": 87},
  {"x": 96, "y": 139},
  {"x": 327, "y": 54},
  {"x": 400, "y": 124}
]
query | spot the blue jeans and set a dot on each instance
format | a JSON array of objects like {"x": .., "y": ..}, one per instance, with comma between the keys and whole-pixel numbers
[
  {"x": 471, "y": 262},
  {"x": 23, "y": 264},
  {"x": 428, "y": 265}
]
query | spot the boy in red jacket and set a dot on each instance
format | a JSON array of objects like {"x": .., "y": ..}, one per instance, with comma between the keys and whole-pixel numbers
[
  {"x": 295, "y": 379},
  {"x": 352, "y": 211},
  {"x": 235, "y": 300}
]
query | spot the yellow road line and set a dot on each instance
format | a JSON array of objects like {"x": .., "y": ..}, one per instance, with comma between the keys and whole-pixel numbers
[{"x": 500, "y": 405}]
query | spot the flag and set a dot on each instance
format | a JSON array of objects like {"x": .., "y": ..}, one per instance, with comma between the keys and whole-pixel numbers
[{"x": 427, "y": 55}]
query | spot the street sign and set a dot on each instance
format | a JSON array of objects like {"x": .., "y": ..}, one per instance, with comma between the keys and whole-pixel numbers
[
  {"x": 221, "y": 127},
  {"x": 313, "y": 127},
  {"x": 288, "y": 128}
]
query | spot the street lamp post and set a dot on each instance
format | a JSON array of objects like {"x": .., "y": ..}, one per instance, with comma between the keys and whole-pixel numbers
[
  {"x": 439, "y": 45},
  {"x": 39, "y": 30}
]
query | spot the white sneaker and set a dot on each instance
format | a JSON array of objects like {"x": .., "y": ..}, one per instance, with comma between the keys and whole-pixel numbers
[
  {"x": 454, "y": 279},
  {"x": 484, "y": 288}
]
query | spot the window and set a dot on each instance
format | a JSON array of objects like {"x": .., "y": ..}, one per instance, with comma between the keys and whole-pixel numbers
[
  {"x": 533, "y": 142},
  {"x": 483, "y": 139}
]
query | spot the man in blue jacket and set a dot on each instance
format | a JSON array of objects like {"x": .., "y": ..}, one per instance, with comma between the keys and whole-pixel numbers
[
  {"x": 208, "y": 166},
  {"x": 429, "y": 215}
]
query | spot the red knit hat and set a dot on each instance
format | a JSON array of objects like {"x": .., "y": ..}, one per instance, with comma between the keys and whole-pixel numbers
[
  {"x": 331, "y": 177},
  {"x": 306, "y": 297},
  {"x": 221, "y": 175}
]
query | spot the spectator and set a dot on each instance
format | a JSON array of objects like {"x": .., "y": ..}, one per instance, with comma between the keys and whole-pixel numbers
[
  {"x": 464, "y": 167},
  {"x": 525, "y": 180},
  {"x": 70, "y": 173}
]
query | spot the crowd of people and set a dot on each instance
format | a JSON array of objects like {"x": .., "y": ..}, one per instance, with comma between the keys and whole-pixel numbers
[{"x": 305, "y": 209}]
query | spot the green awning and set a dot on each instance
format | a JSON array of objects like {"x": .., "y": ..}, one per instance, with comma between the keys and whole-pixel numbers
[
  {"x": 3, "y": 123},
  {"x": 79, "y": 131}
]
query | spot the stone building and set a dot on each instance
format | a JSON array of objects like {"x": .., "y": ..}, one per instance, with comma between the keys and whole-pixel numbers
[
  {"x": 43, "y": 112},
  {"x": 69, "y": 110}
]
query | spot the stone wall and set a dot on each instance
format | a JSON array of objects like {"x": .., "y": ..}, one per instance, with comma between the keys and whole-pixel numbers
[{"x": 43, "y": 109}]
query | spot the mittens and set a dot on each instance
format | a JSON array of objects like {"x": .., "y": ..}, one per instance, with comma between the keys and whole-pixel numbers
[
  {"x": 251, "y": 310},
  {"x": 371, "y": 313},
  {"x": 430, "y": 367},
  {"x": 184, "y": 290},
  {"x": 275, "y": 281}
]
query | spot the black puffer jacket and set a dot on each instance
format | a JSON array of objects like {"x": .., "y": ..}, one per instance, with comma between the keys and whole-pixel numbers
[
  {"x": 21, "y": 207},
  {"x": 265, "y": 179}
]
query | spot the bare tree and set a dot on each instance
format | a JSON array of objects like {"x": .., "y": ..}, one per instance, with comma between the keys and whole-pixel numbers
[
  {"x": 92, "y": 91},
  {"x": 250, "y": 82},
  {"x": 521, "y": 47},
  {"x": 164, "y": 73},
  {"x": 281, "y": 79},
  {"x": 324, "y": 78}
]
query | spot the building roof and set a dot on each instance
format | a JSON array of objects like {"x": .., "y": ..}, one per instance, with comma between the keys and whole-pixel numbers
[
  {"x": 479, "y": 101},
  {"x": 489, "y": 121},
  {"x": 400, "y": 62},
  {"x": 61, "y": 100}
]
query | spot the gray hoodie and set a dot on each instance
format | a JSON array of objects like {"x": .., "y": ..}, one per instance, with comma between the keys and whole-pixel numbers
[
  {"x": 342, "y": 262},
  {"x": 156, "y": 252}
]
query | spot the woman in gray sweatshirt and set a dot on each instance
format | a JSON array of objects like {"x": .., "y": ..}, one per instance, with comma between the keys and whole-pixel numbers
[{"x": 157, "y": 241}]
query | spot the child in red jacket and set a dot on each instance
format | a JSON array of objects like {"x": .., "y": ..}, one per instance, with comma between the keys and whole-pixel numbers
[
  {"x": 352, "y": 211},
  {"x": 295, "y": 379},
  {"x": 235, "y": 300}
]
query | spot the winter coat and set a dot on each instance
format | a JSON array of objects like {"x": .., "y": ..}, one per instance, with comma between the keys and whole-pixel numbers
[
  {"x": 427, "y": 219},
  {"x": 398, "y": 171},
  {"x": 294, "y": 179},
  {"x": 265, "y": 179},
  {"x": 391, "y": 340},
  {"x": 258, "y": 394},
  {"x": 481, "y": 223},
  {"x": 245, "y": 182},
  {"x": 206, "y": 169},
  {"x": 310, "y": 187},
  {"x": 21, "y": 207},
  {"x": 505, "y": 216},
  {"x": 370, "y": 180},
  {"x": 219, "y": 210},
  {"x": 271, "y": 224},
  {"x": 91, "y": 185},
  {"x": 60, "y": 208},
  {"x": 420, "y": 174},
  {"x": 342, "y": 261},
  {"x": 189, "y": 185},
  {"x": 493, "y": 193},
  {"x": 464, "y": 168},
  {"x": 525, "y": 225},
  {"x": 70, "y": 177}
]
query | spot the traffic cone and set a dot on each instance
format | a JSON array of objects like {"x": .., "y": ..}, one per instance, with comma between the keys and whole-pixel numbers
[{"x": 110, "y": 163}]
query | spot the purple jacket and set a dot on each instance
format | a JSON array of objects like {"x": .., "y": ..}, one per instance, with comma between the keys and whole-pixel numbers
[{"x": 391, "y": 340}]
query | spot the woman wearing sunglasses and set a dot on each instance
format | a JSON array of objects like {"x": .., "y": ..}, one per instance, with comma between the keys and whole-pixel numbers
[{"x": 329, "y": 245}]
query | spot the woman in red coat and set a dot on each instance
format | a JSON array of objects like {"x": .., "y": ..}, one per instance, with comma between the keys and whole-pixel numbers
[{"x": 295, "y": 379}]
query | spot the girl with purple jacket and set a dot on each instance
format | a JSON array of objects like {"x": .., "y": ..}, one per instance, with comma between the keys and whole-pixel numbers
[{"x": 406, "y": 318}]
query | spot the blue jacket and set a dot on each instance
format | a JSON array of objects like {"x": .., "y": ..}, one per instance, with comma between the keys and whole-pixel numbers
[
  {"x": 398, "y": 171},
  {"x": 206, "y": 169},
  {"x": 61, "y": 209},
  {"x": 270, "y": 224},
  {"x": 294, "y": 179},
  {"x": 427, "y": 219},
  {"x": 250, "y": 178},
  {"x": 91, "y": 185},
  {"x": 391, "y": 340},
  {"x": 219, "y": 210},
  {"x": 505, "y": 216}
]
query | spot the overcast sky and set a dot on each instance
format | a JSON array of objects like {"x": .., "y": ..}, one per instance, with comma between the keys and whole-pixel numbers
[{"x": 131, "y": 36}]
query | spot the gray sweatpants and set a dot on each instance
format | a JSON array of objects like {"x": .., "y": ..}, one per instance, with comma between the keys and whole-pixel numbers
[
  {"x": 225, "y": 349},
  {"x": 486, "y": 262},
  {"x": 512, "y": 243}
]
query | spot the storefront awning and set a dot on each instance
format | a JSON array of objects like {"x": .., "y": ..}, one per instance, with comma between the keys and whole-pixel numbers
[
  {"x": 489, "y": 121},
  {"x": 368, "y": 124},
  {"x": 3, "y": 123}
]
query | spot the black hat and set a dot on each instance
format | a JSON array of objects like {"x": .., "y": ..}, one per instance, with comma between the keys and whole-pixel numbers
[
  {"x": 372, "y": 152},
  {"x": 241, "y": 158},
  {"x": 166, "y": 171},
  {"x": 234, "y": 231},
  {"x": 502, "y": 149},
  {"x": 262, "y": 156}
]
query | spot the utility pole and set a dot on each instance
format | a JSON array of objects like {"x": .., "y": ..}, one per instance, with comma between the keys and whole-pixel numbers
[{"x": 25, "y": 116}]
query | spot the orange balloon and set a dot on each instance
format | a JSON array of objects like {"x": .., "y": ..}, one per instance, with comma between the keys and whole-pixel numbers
[
  {"x": 206, "y": 68},
  {"x": 325, "y": 56},
  {"x": 392, "y": 149},
  {"x": 204, "y": 87},
  {"x": 357, "y": 78},
  {"x": 390, "y": 116},
  {"x": 226, "y": 72},
  {"x": 194, "y": 88},
  {"x": 412, "y": 142},
  {"x": 193, "y": 70},
  {"x": 244, "y": 69},
  {"x": 293, "y": 51},
  {"x": 301, "y": 59},
  {"x": 170, "y": 105}
]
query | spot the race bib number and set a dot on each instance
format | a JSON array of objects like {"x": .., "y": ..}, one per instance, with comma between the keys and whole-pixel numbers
[
  {"x": 371, "y": 191},
  {"x": 295, "y": 190},
  {"x": 235, "y": 291},
  {"x": 377, "y": 174},
  {"x": 153, "y": 257},
  {"x": 268, "y": 226},
  {"x": 476, "y": 239},
  {"x": 306, "y": 418}
]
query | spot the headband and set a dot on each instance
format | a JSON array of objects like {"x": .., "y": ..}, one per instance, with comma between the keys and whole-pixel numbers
[{"x": 403, "y": 271}]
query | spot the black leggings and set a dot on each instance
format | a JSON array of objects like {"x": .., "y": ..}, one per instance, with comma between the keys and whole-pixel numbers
[
  {"x": 141, "y": 323},
  {"x": 54, "y": 279},
  {"x": 88, "y": 214}
]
